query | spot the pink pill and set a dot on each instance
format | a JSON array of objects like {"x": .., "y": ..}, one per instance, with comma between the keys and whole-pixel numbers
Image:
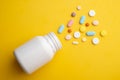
[{"x": 70, "y": 23}]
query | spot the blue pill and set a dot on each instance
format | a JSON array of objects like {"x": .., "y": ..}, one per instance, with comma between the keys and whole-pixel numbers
[
  {"x": 90, "y": 33},
  {"x": 82, "y": 19},
  {"x": 61, "y": 28}
]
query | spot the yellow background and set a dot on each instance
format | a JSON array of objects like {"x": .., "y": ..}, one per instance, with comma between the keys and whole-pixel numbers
[{"x": 20, "y": 20}]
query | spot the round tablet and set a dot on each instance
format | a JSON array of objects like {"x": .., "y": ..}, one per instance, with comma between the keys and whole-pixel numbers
[
  {"x": 78, "y": 7},
  {"x": 95, "y": 41},
  {"x": 87, "y": 24},
  {"x": 77, "y": 34},
  {"x": 91, "y": 13},
  {"x": 68, "y": 37},
  {"x": 84, "y": 39},
  {"x": 73, "y": 14},
  {"x": 103, "y": 33},
  {"x": 95, "y": 22},
  {"x": 69, "y": 30},
  {"x": 82, "y": 29}
]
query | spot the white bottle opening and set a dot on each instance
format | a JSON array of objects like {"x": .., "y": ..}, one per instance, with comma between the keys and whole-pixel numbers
[{"x": 53, "y": 41}]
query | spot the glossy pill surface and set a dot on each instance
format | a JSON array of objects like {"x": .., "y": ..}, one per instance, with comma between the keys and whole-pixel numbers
[
  {"x": 60, "y": 29},
  {"x": 82, "y": 19},
  {"x": 90, "y": 33},
  {"x": 70, "y": 23}
]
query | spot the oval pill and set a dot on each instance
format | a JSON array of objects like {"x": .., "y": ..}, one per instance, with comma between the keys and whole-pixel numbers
[
  {"x": 75, "y": 42},
  {"x": 70, "y": 23},
  {"x": 90, "y": 33},
  {"x": 60, "y": 29},
  {"x": 82, "y": 19}
]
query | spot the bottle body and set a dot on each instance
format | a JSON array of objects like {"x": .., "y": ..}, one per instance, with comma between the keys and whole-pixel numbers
[{"x": 36, "y": 53}]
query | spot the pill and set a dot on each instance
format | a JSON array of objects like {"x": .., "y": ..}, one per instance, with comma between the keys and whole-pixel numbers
[
  {"x": 69, "y": 30},
  {"x": 78, "y": 7},
  {"x": 82, "y": 29},
  {"x": 91, "y": 13},
  {"x": 87, "y": 24},
  {"x": 95, "y": 22},
  {"x": 68, "y": 37},
  {"x": 82, "y": 19},
  {"x": 73, "y": 14},
  {"x": 90, "y": 33},
  {"x": 95, "y": 41},
  {"x": 60, "y": 29},
  {"x": 75, "y": 42},
  {"x": 70, "y": 23},
  {"x": 103, "y": 33},
  {"x": 77, "y": 34},
  {"x": 84, "y": 39}
]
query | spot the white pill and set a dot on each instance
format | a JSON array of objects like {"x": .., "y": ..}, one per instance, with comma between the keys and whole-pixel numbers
[
  {"x": 95, "y": 41},
  {"x": 91, "y": 13},
  {"x": 95, "y": 22},
  {"x": 75, "y": 42},
  {"x": 68, "y": 37},
  {"x": 84, "y": 39},
  {"x": 77, "y": 34},
  {"x": 78, "y": 7}
]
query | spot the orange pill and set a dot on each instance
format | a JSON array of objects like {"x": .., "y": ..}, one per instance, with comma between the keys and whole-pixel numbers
[
  {"x": 69, "y": 30},
  {"x": 87, "y": 24}
]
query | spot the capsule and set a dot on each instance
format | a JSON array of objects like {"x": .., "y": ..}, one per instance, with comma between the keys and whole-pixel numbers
[
  {"x": 90, "y": 33},
  {"x": 70, "y": 23},
  {"x": 60, "y": 29},
  {"x": 82, "y": 19}
]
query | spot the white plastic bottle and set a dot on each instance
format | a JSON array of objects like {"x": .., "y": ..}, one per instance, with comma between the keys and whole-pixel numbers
[{"x": 37, "y": 52}]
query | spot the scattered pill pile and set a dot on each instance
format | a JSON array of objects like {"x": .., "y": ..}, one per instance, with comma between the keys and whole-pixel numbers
[{"x": 82, "y": 30}]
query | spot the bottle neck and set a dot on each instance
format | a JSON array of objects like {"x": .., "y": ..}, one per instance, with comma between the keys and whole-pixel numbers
[{"x": 53, "y": 41}]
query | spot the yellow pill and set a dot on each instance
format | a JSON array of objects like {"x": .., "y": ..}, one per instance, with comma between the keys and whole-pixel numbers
[
  {"x": 103, "y": 33},
  {"x": 82, "y": 29}
]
